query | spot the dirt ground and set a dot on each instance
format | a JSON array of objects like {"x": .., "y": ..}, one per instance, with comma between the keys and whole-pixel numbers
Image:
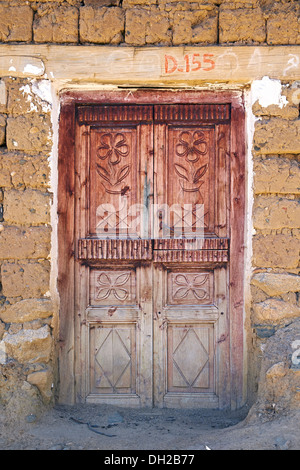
[{"x": 107, "y": 428}]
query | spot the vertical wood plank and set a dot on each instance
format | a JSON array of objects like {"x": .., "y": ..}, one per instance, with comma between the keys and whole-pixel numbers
[
  {"x": 66, "y": 251},
  {"x": 145, "y": 269},
  {"x": 81, "y": 295},
  {"x": 237, "y": 237}
]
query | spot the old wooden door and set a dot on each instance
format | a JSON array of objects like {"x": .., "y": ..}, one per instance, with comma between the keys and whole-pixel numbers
[{"x": 153, "y": 211}]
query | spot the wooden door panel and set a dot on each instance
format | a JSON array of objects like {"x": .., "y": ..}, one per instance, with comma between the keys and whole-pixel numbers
[
  {"x": 152, "y": 278},
  {"x": 190, "y": 358},
  {"x": 113, "y": 287},
  {"x": 190, "y": 180},
  {"x": 114, "y": 303},
  {"x": 191, "y": 328},
  {"x": 113, "y": 359},
  {"x": 190, "y": 288},
  {"x": 118, "y": 331},
  {"x": 192, "y": 144},
  {"x": 113, "y": 177}
]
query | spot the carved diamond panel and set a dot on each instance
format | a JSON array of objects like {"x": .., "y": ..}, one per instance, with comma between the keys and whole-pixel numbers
[
  {"x": 113, "y": 359},
  {"x": 190, "y": 354}
]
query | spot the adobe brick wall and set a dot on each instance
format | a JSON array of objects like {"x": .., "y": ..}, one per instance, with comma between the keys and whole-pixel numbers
[
  {"x": 27, "y": 313},
  {"x": 276, "y": 244},
  {"x": 162, "y": 22}
]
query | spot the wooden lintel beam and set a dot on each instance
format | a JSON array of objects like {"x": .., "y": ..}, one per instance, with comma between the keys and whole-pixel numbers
[{"x": 150, "y": 65}]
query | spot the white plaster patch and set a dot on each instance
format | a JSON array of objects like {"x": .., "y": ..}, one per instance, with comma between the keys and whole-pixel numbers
[
  {"x": 42, "y": 88},
  {"x": 31, "y": 69},
  {"x": 26, "y": 90},
  {"x": 3, "y": 92},
  {"x": 267, "y": 92},
  {"x": 3, "y": 355}
]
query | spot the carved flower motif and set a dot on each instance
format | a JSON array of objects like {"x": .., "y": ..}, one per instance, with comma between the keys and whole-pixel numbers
[
  {"x": 113, "y": 147},
  {"x": 192, "y": 284},
  {"x": 109, "y": 285},
  {"x": 191, "y": 145}
]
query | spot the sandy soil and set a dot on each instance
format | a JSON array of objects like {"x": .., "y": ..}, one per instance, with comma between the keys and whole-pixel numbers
[{"x": 106, "y": 428}]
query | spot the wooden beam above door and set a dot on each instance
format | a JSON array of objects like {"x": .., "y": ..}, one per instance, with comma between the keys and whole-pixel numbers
[{"x": 148, "y": 66}]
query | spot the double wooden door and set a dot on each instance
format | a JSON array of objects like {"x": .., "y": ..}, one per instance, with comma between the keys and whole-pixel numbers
[{"x": 152, "y": 236}]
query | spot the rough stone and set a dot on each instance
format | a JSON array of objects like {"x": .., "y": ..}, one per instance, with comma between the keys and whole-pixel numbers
[
  {"x": 29, "y": 345},
  {"x": 2, "y": 129},
  {"x": 147, "y": 27},
  {"x": 102, "y": 3},
  {"x": 277, "y": 370},
  {"x": 276, "y": 175},
  {"x": 274, "y": 311},
  {"x": 131, "y": 3},
  {"x": 3, "y": 96},
  {"x": 288, "y": 111},
  {"x": 275, "y": 284},
  {"x": 16, "y": 23},
  {"x": 28, "y": 207},
  {"x": 277, "y": 136},
  {"x": 18, "y": 397},
  {"x": 192, "y": 27},
  {"x": 26, "y": 280},
  {"x": 25, "y": 242},
  {"x": 35, "y": 4},
  {"x": 27, "y": 310},
  {"x": 275, "y": 251},
  {"x": 30, "y": 133},
  {"x": 283, "y": 25},
  {"x": 101, "y": 25},
  {"x": 242, "y": 25},
  {"x": 26, "y": 96},
  {"x": 275, "y": 213},
  {"x": 21, "y": 171},
  {"x": 2, "y": 330},
  {"x": 278, "y": 389},
  {"x": 57, "y": 24},
  {"x": 43, "y": 380}
]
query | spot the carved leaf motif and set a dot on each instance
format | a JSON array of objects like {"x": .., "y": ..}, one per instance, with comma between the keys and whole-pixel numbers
[
  {"x": 103, "y": 173},
  {"x": 103, "y": 293},
  {"x": 122, "y": 173},
  {"x": 181, "y": 171},
  {"x": 181, "y": 293},
  {"x": 190, "y": 284},
  {"x": 120, "y": 294},
  {"x": 199, "y": 173},
  {"x": 181, "y": 280},
  {"x": 121, "y": 280},
  {"x": 200, "y": 293},
  {"x": 110, "y": 285},
  {"x": 200, "y": 279}
]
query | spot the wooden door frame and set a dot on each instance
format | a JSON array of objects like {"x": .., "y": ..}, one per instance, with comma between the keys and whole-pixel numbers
[{"x": 66, "y": 221}]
